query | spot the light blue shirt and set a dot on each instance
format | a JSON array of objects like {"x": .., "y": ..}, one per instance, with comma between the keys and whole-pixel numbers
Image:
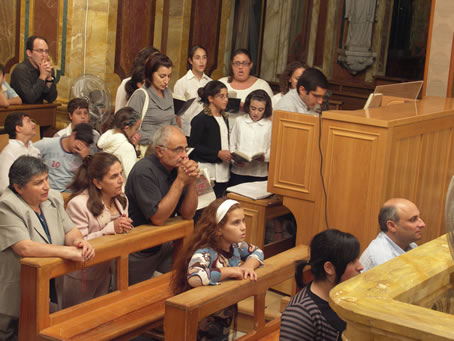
[
  {"x": 292, "y": 102},
  {"x": 8, "y": 91},
  {"x": 381, "y": 250}
]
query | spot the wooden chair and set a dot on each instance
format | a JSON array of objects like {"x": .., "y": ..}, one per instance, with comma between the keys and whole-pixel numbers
[
  {"x": 122, "y": 314},
  {"x": 191, "y": 306}
]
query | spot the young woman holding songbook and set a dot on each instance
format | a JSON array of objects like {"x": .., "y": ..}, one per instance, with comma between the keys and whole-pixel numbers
[
  {"x": 250, "y": 141},
  {"x": 216, "y": 252},
  {"x": 308, "y": 316},
  {"x": 210, "y": 136}
]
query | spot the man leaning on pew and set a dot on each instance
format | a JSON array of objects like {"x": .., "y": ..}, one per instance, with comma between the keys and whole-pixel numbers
[{"x": 158, "y": 187}]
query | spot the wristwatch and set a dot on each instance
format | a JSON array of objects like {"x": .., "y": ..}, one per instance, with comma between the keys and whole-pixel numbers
[{"x": 50, "y": 80}]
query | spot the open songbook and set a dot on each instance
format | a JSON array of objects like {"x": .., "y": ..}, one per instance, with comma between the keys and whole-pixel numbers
[{"x": 244, "y": 158}]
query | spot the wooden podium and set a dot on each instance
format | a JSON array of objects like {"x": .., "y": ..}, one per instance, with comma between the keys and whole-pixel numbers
[{"x": 401, "y": 150}]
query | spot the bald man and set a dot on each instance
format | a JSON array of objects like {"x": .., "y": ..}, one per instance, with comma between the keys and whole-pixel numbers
[{"x": 401, "y": 226}]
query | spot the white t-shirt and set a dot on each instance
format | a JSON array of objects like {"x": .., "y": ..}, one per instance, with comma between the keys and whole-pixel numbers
[
  {"x": 11, "y": 153},
  {"x": 120, "y": 99}
]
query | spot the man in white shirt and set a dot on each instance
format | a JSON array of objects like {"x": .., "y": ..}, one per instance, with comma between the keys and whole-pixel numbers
[
  {"x": 20, "y": 129},
  {"x": 308, "y": 95},
  {"x": 401, "y": 226}
]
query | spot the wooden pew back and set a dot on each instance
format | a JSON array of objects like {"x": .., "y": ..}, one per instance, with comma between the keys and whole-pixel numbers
[
  {"x": 36, "y": 273},
  {"x": 191, "y": 306}
]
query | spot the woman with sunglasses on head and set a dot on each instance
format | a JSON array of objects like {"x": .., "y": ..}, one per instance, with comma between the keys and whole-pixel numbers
[
  {"x": 210, "y": 136},
  {"x": 154, "y": 100},
  {"x": 240, "y": 82}
]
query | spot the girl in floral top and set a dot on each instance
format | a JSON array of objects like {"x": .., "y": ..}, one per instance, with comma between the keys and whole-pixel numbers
[{"x": 217, "y": 252}]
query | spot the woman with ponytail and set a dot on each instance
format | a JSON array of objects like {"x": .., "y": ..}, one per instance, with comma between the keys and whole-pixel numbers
[
  {"x": 98, "y": 207},
  {"x": 121, "y": 139},
  {"x": 308, "y": 316},
  {"x": 210, "y": 135}
]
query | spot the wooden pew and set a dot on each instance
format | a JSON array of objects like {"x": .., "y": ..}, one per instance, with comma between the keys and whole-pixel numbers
[
  {"x": 191, "y": 306},
  {"x": 122, "y": 314},
  {"x": 43, "y": 114}
]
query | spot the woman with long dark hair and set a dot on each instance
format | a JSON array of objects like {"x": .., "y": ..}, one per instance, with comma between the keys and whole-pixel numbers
[
  {"x": 154, "y": 100},
  {"x": 210, "y": 136},
  {"x": 98, "y": 207}
]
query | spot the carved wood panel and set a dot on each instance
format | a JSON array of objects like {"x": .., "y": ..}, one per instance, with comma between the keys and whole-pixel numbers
[
  {"x": 135, "y": 30},
  {"x": 205, "y": 28},
  {"x": 9, "y": 35},
  {"x": 49, "y": 27}
]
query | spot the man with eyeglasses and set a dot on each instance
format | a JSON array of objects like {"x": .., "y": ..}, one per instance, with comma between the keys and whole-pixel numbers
[
  {"x": 308, "y": 95},
  {"x": 33, "y": 79},
  {"x": 159, "y": 186}
]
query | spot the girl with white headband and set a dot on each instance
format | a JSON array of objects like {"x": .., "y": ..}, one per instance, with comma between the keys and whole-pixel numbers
[{"x": 216, "y": 252}]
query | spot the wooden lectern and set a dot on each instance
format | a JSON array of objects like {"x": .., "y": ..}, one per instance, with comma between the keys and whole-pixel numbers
[{"x": 400, "y": 150}]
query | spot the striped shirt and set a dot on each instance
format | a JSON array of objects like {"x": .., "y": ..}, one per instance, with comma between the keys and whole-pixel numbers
[{"x": 308, "y": 317}]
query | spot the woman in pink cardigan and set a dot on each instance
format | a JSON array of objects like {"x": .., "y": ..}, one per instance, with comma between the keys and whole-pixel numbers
[{"x": 98, "y": 207}]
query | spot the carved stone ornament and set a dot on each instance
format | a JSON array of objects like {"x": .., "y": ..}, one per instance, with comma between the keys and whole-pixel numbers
[{"x": 357, "y": 54}]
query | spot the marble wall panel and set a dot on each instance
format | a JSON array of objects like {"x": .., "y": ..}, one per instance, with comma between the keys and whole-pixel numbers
[
  {"x": 135, "y": 30},
  {"x": 9, "y": 35},
  {"x": 46, "y": 24},
  {"x": 440, "y": 49},
  {"x": 205, "y": 23}
]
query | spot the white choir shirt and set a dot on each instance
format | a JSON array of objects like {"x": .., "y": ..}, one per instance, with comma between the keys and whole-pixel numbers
[
  {"x": 120, "y": 99},
  {"x": 276, "y": 98},
  {"x": 219, "y": 172},
  {"x": 187, "y": 86},
  {"x": 251, "y": 137},
  {"x": 11, "y": 153}
]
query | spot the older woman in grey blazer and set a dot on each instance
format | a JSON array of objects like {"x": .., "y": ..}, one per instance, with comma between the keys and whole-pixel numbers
[{"x": 33, "y": 223}]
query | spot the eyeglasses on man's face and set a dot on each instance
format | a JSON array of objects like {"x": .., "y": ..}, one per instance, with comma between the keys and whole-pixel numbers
[
  {"x": 177, "y": 150},
  {"x": 41, "y": 51}
]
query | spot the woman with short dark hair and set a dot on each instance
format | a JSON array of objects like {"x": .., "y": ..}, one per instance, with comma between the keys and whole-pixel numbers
[
  {"x": 308, "y": 316},
  {"x": 33, "y": 223}
]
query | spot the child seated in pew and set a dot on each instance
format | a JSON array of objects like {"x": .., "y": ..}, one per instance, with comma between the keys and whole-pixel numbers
[
  {"x": 7, "y": 94},
  {"x": 98, "y": 207},
  {"x": 308, "y": 316},
  {"x": 217, "y": 252},
  {"x": 78, "y": 113}
]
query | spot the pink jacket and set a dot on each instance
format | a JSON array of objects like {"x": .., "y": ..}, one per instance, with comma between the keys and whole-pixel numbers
[{"x": 90, "y": 226}]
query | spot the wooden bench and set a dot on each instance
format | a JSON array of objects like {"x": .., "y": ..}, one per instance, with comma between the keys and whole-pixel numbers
[
  {"x": 122, "y": 314},
  {"x": 191, "y": 306},
  {"x": 43, "y": 114}
]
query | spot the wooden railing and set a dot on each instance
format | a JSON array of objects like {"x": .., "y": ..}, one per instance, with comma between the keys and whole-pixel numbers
[
  {"x": 191, "y": 306},
  {"x": 126, "y": 312}
]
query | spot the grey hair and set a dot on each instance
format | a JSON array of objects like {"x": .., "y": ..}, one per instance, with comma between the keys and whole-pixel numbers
[
  {"x": 24, "y": 168},
  {"x": 162, "y": 136},
  {"x": 387, "y": 213}
]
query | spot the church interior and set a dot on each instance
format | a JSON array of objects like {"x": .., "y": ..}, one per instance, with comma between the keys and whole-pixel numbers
[{"x": 334, "y": 170}]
